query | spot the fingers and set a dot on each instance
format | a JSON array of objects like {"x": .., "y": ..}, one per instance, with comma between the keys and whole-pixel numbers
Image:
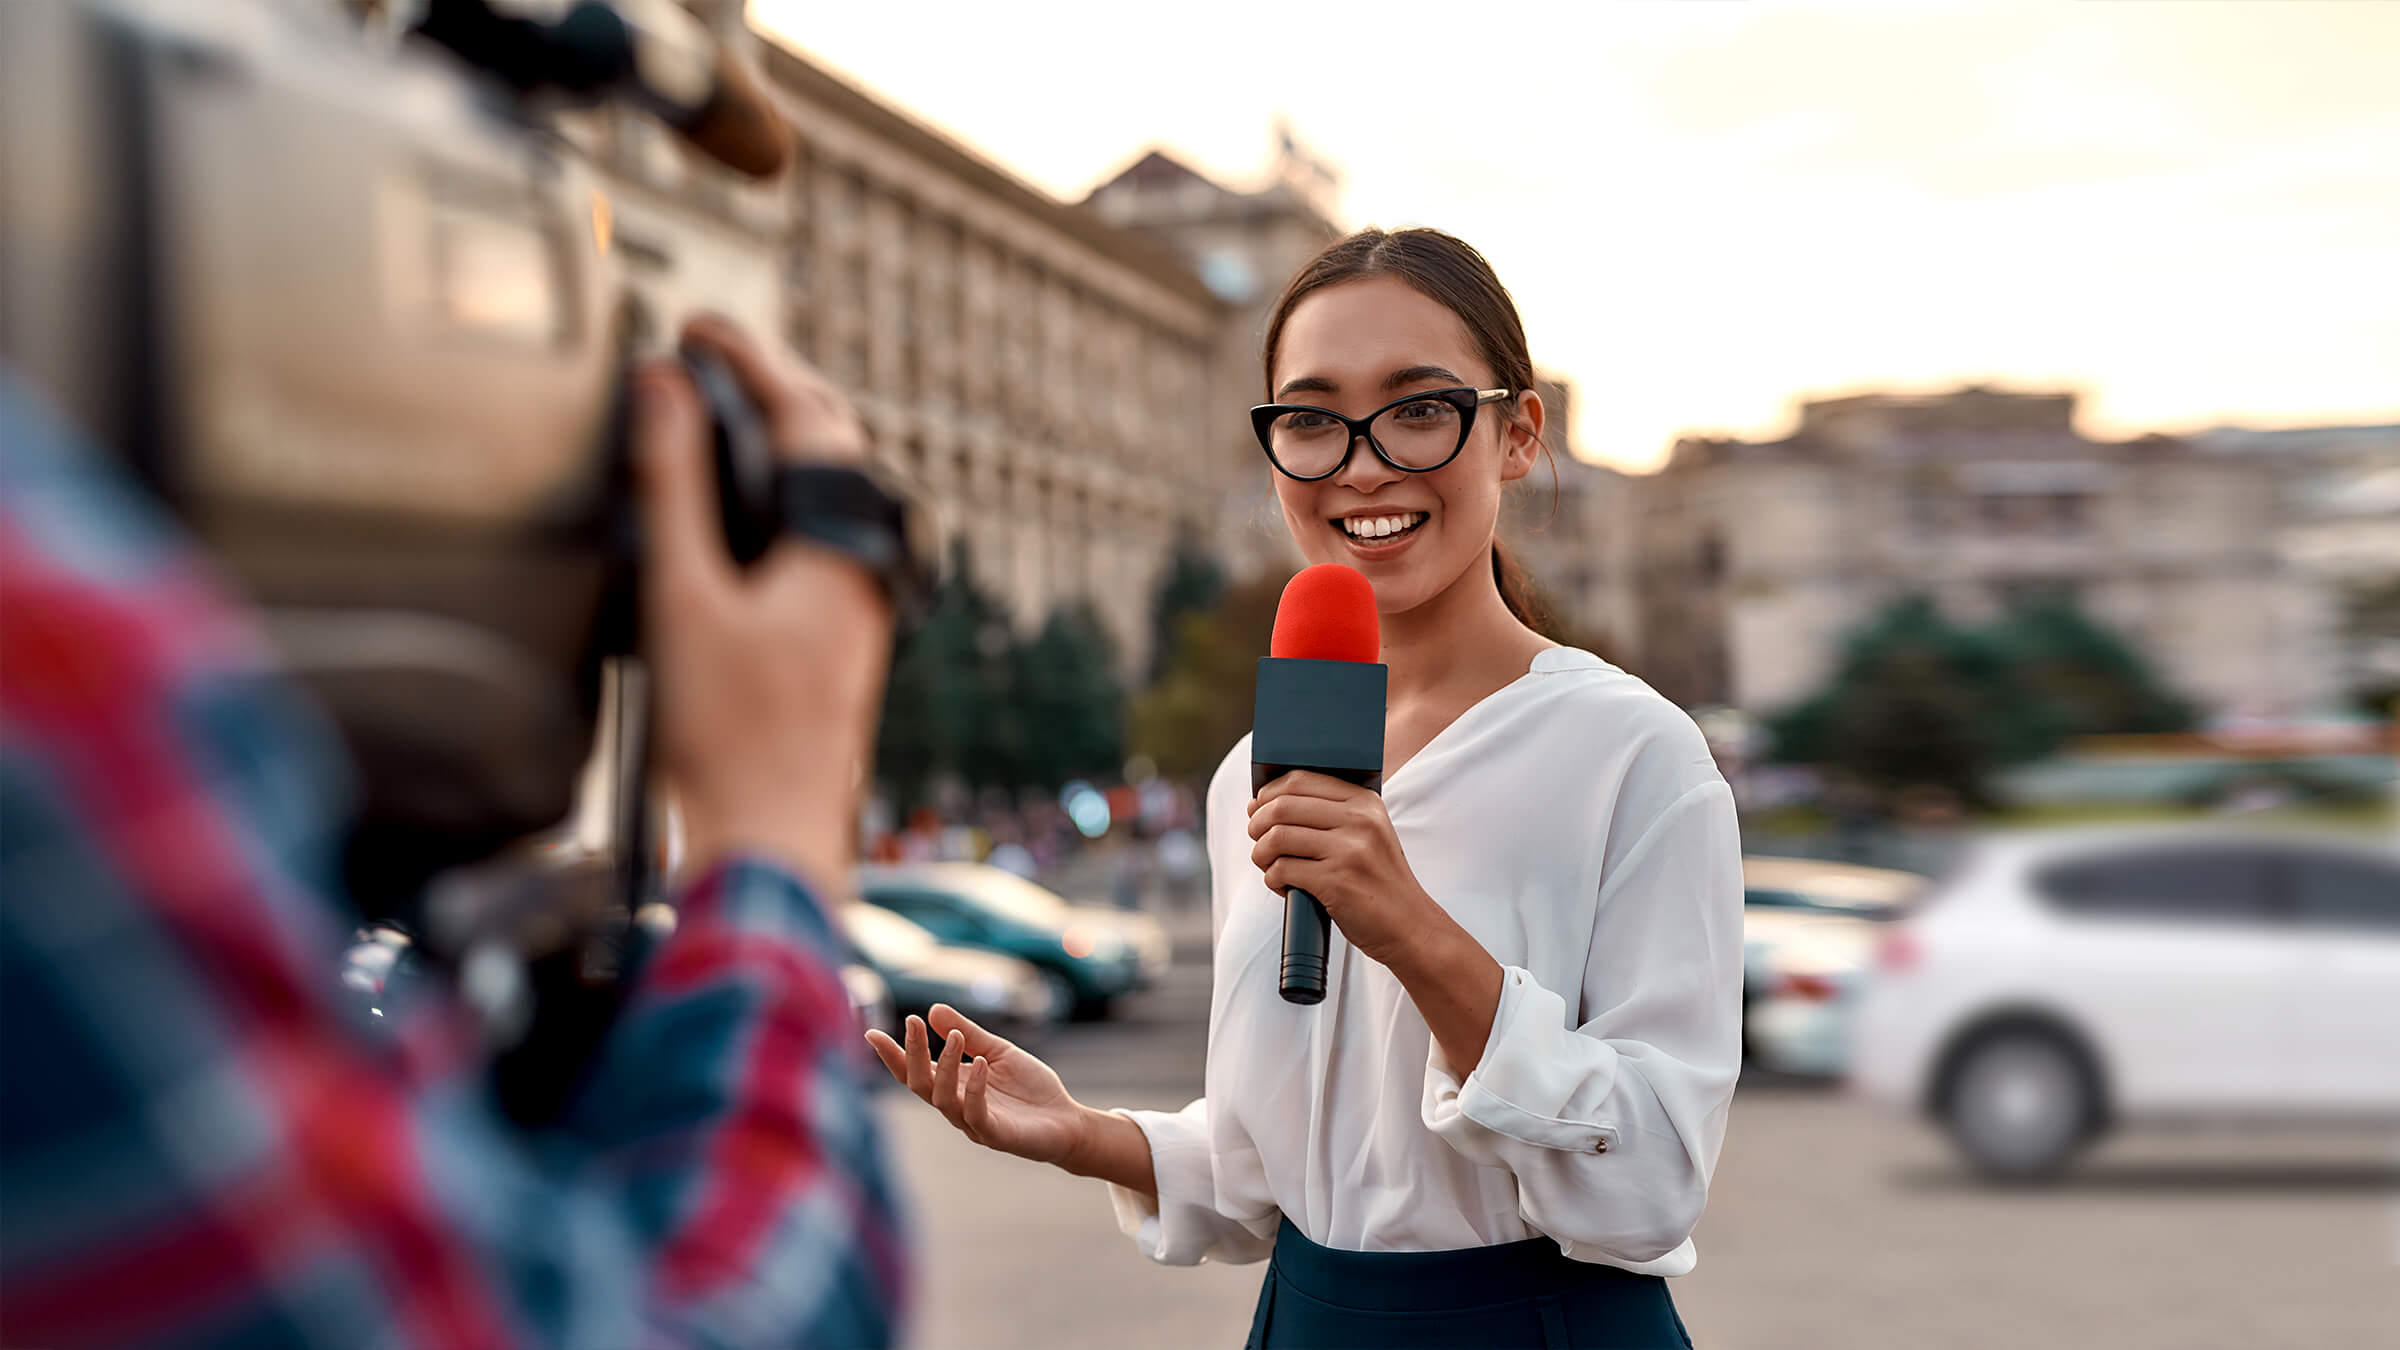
[
  {"x": 945, "y": 1078},
  {"x": 895, "y": 1059},
  {"x": 979, "y": 1041},
  {"x": 804, "y": 412},
  {"x": 1305, "y": 783},
  {"x": 670, "y": 435},
  {"x": 1314, "y": 813},
  {"x": 1284, "y": 873},
  {"x": 920, "y": 1067},
  {"x": 1291, "y": 841},
  {"x": 977, "y": 1106}
]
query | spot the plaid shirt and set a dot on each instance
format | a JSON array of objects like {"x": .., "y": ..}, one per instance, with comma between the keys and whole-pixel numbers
[{"x": 197, "y": 1146}]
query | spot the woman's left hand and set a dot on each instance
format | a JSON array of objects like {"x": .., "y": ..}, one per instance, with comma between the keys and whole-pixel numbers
[{"x": 1334, "y": 840}]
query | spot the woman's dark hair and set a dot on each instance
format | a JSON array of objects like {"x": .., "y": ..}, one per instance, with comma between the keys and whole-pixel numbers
[{"x": 1446, "y": 269}]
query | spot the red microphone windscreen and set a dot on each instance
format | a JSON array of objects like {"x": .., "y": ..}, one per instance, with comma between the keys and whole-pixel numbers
[{"x": 1327, "y": 614}]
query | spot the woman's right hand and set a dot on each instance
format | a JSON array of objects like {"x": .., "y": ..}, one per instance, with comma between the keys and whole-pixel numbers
[{"x": 999, "y": 1095}]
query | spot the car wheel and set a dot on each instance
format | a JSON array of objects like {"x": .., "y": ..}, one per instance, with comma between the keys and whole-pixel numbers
[
  {"x": 2021, "y": 1103},
  {"x": 1062, "y": 998}
]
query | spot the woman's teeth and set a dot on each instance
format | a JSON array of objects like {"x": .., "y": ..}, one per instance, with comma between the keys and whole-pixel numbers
[{"x": 1380, "y": 527}]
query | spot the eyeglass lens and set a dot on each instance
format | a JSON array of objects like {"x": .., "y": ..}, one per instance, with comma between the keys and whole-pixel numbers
[{"x": 1419, "y": 434}]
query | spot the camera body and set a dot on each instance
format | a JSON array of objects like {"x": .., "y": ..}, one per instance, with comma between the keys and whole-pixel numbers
[{"x": 348, "y": 308}]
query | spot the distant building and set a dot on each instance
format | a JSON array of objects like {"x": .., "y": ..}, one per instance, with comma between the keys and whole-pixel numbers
[
  {"x": 1577, "y": 540},
  {"x": 1048, "y": 377},
  {"x": 1246, "y": 246},
  {"x": 1756, "y": 559},
  {"x": 2337, "y": 525}
]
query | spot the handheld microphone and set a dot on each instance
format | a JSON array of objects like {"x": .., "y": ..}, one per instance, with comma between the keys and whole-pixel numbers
[{"x": 1320, "y": 708}]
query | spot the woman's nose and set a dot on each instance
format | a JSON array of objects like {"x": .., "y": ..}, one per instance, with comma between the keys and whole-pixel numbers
[{"x": 1365, "y": 470}]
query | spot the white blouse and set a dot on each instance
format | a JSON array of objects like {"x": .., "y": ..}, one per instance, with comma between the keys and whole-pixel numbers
[{"x": 1575, "y": 824}]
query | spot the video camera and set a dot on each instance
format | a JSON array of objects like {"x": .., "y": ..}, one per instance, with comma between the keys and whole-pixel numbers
[{"x": 333, "y": 282}]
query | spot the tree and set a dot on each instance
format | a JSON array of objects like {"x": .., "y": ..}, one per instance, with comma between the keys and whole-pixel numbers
[
  {"x": 1192, "y": 586},
  {"x": 948, "y": 707},
  {"x": 1917, "y": 702},
  {"x": 2093, "y": 683},
  {"x": 1070, "y": 704},
  {"x": 1202, "y": 703},
  {"x": 2370, "y": 626},
  {"x": 967, "y": 698}
]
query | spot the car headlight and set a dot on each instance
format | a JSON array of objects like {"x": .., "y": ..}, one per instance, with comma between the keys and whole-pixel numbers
[{"x": 988, "y": 991}]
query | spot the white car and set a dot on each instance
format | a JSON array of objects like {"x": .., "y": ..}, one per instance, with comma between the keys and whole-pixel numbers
[{"x": 2063, "y": 982}]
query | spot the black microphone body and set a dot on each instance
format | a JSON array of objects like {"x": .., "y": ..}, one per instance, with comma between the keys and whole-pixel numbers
[{"x": 1325, "y": 717}]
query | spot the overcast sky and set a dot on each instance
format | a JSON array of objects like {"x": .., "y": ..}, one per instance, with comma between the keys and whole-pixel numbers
[{"x": 1708, "y": 209}]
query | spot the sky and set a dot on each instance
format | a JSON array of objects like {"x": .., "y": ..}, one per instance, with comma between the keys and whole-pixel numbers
[{"x": 1708, "y": 210}]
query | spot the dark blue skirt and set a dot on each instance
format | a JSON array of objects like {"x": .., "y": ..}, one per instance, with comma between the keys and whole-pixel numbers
[{"x": 1517, "y": 1294}]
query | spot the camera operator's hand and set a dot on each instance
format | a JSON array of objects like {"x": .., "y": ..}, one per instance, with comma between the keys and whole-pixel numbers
[{"x": 768, "y": 680}]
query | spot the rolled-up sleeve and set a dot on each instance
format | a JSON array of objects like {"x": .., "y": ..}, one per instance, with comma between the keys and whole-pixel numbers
[
  {"x": 1210, "y": 1206},
  {"x": 1612, "y": 1127}
]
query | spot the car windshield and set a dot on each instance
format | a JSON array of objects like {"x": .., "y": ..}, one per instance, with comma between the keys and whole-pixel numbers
[{"x": 885, "y": 937}]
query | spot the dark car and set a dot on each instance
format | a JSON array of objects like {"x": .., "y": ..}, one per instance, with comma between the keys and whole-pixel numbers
[{"x": 1088, "y": 956}]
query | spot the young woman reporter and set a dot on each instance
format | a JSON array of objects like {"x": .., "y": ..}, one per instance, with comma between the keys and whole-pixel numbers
[{"x": 1498, "y": 1128}]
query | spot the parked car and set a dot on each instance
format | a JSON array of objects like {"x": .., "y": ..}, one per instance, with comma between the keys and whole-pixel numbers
[
  {"x": 921, "y": 970},
  {"x": 1089, "y": 956},
  {"x": 1808, "y": 928},
  {"x": 2062, "y": 983}
]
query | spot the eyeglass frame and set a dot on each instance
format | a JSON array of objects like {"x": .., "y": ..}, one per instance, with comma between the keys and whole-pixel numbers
[{"x": 1266, "y": 413}]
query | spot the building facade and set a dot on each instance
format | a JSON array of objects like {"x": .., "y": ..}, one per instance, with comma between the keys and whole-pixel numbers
[
  {"x": 1042, "y": 375},
  {"x": 2337, "y": 525},
  {"x": 1755, "y": 560},
  {"x": 1570, "y": 524},
  {"x": 1245, "y": 246}
]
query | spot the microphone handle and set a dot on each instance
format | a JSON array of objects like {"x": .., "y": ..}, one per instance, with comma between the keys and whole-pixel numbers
[
  {"x": 1307, "y": 928},
  {"x": 1307, "y": 945}
]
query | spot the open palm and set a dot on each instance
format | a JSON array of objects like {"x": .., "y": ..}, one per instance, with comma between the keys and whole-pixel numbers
[{"x": 997, "y": 1093}]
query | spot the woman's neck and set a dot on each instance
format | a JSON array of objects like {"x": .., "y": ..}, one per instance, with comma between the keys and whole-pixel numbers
[{"x": 1463, "y": 640}]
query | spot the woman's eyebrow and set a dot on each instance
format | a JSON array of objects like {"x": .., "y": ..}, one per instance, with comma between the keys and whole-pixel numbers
[
  {"x": 1412, "y": 374},
  {"x": 1318, "y": 384}
]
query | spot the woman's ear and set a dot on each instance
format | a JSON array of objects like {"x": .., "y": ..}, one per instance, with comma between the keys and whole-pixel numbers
[{"x": 1521, "y": 436}]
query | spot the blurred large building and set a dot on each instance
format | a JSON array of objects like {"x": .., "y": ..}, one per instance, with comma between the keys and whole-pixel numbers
[
  {"x": 1068, "y": 380},
  {"x": 1570, "y": 523},
  {"x": 2337, "y": 525},
  {"x": 1045, "y": 375},
  {"x": 1245, "y": 245},
  {"x": 1757, "y": 558}
]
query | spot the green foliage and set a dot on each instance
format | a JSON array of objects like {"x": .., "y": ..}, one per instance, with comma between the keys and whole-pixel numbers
[
  {"x": 1193, "y": 585},
  {"x": 967, "y": 697},
  {"x": 1916, "y": 702},
  {"x": 1919, "y": 702},
  {"x": 1190, "y": 717},
  {"x": 2092, "y": 682},
  {"x": 1070, "y": 696},
  {"x": 2371, "y": 623}
]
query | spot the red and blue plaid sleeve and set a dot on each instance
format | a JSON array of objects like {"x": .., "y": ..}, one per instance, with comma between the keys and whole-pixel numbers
[{"x": 195, "y": 1145}]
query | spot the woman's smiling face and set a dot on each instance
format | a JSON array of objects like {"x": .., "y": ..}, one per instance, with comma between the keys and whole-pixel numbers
[{"x": 1354, "y": 347}]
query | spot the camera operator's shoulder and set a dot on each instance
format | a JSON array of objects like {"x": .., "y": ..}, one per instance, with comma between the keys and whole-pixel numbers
[{"x": 1599, "y": 708}]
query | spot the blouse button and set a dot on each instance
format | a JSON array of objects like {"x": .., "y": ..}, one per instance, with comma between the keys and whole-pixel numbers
[{"x": 1602, "y": 1146}]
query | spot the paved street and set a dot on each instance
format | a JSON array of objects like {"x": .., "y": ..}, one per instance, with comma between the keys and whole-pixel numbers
[{"x": 1830, "y": 1225}]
